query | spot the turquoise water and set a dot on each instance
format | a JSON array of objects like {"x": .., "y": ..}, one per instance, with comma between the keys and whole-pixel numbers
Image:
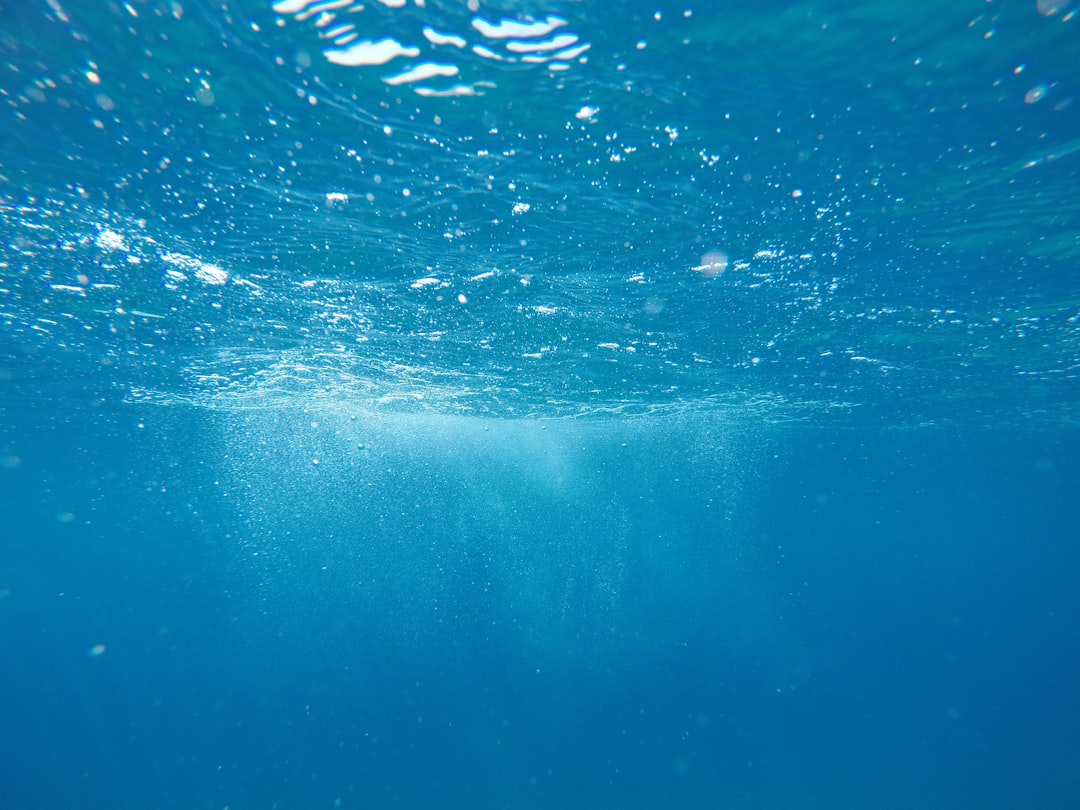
[{"x": 511, "y": 404}]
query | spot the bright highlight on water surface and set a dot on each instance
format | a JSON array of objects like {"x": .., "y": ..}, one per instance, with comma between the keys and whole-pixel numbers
[{"x": 440, "y": 53}]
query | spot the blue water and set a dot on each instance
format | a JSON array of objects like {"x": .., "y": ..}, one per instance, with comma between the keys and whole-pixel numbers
[{"x": 531, "y": 405}]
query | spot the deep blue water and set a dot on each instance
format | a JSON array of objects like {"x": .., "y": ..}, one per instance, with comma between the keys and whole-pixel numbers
[{"x": 593, "y": 405}]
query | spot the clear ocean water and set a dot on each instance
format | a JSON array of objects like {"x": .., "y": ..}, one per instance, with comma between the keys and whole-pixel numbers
[{"x": 557, "y": 404}]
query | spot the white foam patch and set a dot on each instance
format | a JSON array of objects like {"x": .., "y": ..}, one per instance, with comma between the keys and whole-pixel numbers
[
  {"x": 370, "y": 53},
  {"x": 428, "y": 70},
  {"x": 508, "y": 40},
  {"x": 487, "y": 53},
  {"x": 437, "y": 38},
  {"x": 571, "y": 53},
  {"x": 291, "y": 6},
  {"x": 338, "y": 31},
  {"x": 456, "y": 90},
  {"x": 110, "y": 240},
  {"x": 212, "y": 274},
  {"x": 324, "y": 9},
  {"x": 554, "y": 44},
  {"x": 507, "y": 29}
]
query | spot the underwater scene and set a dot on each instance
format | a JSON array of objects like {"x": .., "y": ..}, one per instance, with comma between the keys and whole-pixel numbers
[{"x": 560, "y": 404}]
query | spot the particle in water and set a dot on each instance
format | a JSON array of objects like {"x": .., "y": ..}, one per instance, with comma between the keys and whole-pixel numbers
[
  {"x": 712, "y": 264},
  {"x": 654, "y": 305},
  {"x": 212, "y": 275},
  {"x": 1048, "y": 8},
  {"x": 1036, "y": 94}
]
